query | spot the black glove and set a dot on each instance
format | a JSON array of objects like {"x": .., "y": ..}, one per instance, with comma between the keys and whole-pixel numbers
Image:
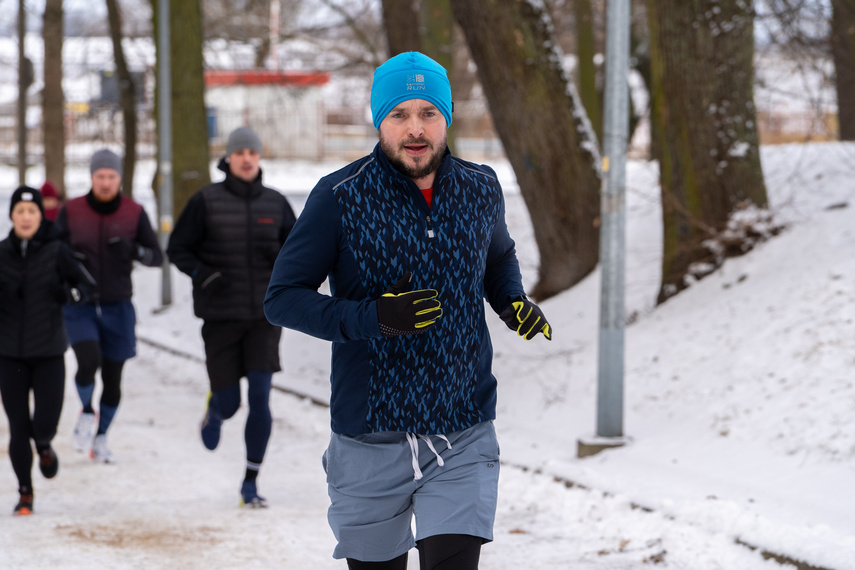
[
  {"x": 401, "y": 311},
  {"x": 76, "y": 296},
  {"x": 70, "y": 295},
  {"x": 526, "y": 318},
  {"x": 123, "y": 248},
  {"x": 210, "y": 280}
]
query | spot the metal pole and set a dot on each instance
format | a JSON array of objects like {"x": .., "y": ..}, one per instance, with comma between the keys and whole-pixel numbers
[
  {"x": 164, "y": 145},
  {"x": 612, "y": 230},
  {"x": 23, "y": 85}
]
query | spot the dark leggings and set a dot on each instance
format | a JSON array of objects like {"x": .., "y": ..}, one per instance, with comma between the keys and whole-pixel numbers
[
  {"x": 440, "y": 552},
  {"x": 225, "y": 403},
  {"x": 89, "y": 360},
  {"x": 46, "y": 378}
]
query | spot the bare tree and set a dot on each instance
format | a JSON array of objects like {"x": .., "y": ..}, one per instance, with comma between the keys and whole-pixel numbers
[
  {"x": 335, "y": 35},
  {"x": 190, "y": 155},
  {"x": 438, "y": 40},
  {"x": 437, "y": 31},
  {"x": 245, "y": 21},
  {"x": 586, "y": 49},
  {"x": 544, "y": 130},
  {"x": 127, "y": 97},
  {"x": 402, "y": 23},
  {"x": 53, "y": 100},
  {"x": 703, "y": 111},
  {"x": 807, "y": 35},
  {"x": 843, "y": 51}
]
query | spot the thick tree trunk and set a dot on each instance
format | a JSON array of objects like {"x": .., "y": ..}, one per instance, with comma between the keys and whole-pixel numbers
[
  {"x": 843, "y": 51},
  {"x": 640, "y": 62},
  {"x": 127, "y": 97},
  {"x": 190, "y": 156},
  {"x": 586, "y": 49},
  {"x": 702, "y": 107},
  {"x": 53, "y": 100},
  {"x": 403, "y": 27},
  {"x": 544, "y": 130},
  {"x": 438, "y": 41}
]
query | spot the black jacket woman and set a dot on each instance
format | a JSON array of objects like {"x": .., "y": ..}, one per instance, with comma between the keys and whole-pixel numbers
[{"x": 38, "y": 274}]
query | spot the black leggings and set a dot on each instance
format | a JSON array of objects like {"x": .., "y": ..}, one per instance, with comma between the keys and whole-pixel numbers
[
  {"x": 88, "y": 353},
  {"x": 440, "y": 552},
  {"x": 46, "y": 378}
]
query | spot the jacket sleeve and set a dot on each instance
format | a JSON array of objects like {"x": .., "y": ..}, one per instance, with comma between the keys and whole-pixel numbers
[
  {"x": 187, "y": 236},
  {"x": 502, "y": 278},
  {"x": 62, "y": 224},
  {"x": 310, "y": 254},
  {"x": 74, "y": 274},
  {"x": 150, "y": 253}
]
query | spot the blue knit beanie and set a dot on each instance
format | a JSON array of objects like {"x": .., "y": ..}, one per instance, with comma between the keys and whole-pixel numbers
[{"x": 409, "y": 75}]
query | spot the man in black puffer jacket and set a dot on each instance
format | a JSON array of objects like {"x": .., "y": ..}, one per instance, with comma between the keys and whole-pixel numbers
[{"x": 227, "y": 239}]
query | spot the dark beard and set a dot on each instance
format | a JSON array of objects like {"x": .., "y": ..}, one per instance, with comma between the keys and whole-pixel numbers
[{"x": 419, "y": 170}]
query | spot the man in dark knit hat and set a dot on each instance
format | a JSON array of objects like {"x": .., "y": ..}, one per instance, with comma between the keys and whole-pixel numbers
[
  {"x": 227, "y": 239},
  {"x": 107, "y": 232}
]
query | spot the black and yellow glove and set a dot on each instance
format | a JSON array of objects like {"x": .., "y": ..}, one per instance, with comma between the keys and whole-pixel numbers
[
  {"x": 401, "y": 311},
  {"x": 526, "y": 318}
]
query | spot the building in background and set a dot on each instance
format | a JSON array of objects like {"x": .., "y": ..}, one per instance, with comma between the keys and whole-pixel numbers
[{"x": 285, "y": 108}]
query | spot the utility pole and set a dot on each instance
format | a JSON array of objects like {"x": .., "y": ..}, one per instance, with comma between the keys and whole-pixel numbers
[
  {"x": 164, "y": 144},
  {"x": 612, "y": 235}
]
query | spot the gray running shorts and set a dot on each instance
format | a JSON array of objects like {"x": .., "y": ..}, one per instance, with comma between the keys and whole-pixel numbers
[{"x": 374, "y": 494}]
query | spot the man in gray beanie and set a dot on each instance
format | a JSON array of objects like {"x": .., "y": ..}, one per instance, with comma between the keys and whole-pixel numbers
[
  {"x": 105, "y": 158},
  {"x": 227, "y": 239},
  {"x": 107, "y": 232},
  {"x": 243, "y": 137}
]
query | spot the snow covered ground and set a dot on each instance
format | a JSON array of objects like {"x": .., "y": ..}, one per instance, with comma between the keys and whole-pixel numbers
[{"x": 740, "y": 415}]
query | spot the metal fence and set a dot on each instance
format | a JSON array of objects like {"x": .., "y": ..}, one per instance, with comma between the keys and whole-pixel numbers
[{"x": 346, "y": 134}]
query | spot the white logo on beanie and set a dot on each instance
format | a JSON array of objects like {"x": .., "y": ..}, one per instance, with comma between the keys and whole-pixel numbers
[
  {"x": 27, "y": 197},
  {"x": 416, "y": 82}
]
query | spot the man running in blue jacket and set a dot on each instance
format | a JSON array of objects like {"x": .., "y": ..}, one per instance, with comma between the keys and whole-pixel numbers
[{"x": 412, "y": 240}]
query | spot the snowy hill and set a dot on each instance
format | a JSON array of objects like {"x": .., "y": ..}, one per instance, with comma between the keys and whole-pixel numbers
[{"x": 740, "y": 415}]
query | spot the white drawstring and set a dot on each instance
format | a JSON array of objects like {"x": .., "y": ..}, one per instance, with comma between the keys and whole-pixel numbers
[{"x": 413, "y": 440}]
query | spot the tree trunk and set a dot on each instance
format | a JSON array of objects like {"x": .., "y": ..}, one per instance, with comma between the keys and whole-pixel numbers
[
  {"x": 438, "y": 41},
  {"x": 127, "y": 98},
  {"x": 402, "y": 23},
  {"x": 190, "y": 155},
  {"x": 544, "y": 130},
  {"x": 53, "y": 100},
  {"x": 639, "y": 58},
  {"x": 586, "y": 49},
  {"x": 702, "y": 105},
  {"x": 843, "y": 51}
]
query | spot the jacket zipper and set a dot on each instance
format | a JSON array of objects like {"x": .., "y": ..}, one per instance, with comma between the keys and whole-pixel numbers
[
  {"x": 249, "y": 248},
  {"x": 24, "y": 288}
]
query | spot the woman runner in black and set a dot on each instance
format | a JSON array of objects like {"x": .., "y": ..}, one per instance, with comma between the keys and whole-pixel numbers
[{"x": 37, "y": 276}]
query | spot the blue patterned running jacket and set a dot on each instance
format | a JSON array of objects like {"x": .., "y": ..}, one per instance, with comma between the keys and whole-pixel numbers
[{"x": 363, "y": 227}]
